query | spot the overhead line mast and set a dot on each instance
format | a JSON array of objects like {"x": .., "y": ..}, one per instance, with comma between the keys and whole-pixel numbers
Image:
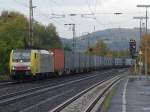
[
  {"x": 31, "y": 20},
  {"x": 140, "y": 18},
  {"x": 74, "y": 42},
  {"x": 145, "y": 6}
]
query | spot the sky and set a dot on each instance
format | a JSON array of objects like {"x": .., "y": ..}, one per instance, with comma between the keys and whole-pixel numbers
[{"x": 91, "y": 15}]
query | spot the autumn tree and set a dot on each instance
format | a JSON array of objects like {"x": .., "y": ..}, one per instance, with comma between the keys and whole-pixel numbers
[
  {"x": 100, "y": 48},
  {"x": 146, "y": 42},
  {"x": 120, "y": 53}
]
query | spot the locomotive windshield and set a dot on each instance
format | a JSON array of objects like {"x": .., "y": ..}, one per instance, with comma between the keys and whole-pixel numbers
[{"x": 21, "y": 55}]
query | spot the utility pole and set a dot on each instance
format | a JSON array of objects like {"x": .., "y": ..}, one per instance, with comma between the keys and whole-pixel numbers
[
  {"x": 31, "y": 20},
  {"x": 146, "y": 20},
  {"x": 117, "y": 14},
  {"x": 30, "y": 23},
  {"x": 74, "y": 43},
  {"x": 145, "y": 6},
  {"x": 140, "y": 61},
  {"x": 146, "y": 47},
  {"x": 88, "y": 45},
  {"x": 140, "y": 18},
  {"x": 74, "y": 34},
  {"x": 89, "y": 48}
]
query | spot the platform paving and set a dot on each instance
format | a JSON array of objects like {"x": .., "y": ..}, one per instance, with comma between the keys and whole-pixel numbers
[{"x": 132, "y": 95}]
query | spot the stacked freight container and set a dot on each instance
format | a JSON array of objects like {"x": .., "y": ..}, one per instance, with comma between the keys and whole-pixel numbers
[
  {"x": 76, "y": 61},
  {"x": 68, "y": 56},
  {"x": 118, "y": 61},
  {"x": 92, "y": 64},
  {"x": 68, "y": 61},
  {"x": 58, "y": 56},
  {"x": 82, "y": 61},
  {"x": 128, "y": 62}
]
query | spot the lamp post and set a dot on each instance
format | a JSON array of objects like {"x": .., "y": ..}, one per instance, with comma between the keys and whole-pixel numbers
[{"x": 145, "y": 6}]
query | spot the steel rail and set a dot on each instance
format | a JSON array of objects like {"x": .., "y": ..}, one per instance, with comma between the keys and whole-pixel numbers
[
  {"x": 5, "y": 99},
  {"x": 71, "y": 100}
]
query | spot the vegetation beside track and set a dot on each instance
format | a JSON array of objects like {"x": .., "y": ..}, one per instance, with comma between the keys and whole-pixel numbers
[
  {"x": 102, "y": 49},
  {"x": 4, "y": 77},
  {"x": 107, "y": 101}
]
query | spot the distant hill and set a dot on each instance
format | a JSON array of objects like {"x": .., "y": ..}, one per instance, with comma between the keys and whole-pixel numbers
[{"x": 116, "y": 38}]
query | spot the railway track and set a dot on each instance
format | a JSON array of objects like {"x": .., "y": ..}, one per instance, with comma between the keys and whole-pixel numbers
[
  {"x": 3, "y": 84},
  {"x": 48, "y": 93},
  {"x": 10, "y": 82},
  {"x": 13, "y": 87},
  {"x": 12, "y": 97},
  {"x": 83, "y": 102}
]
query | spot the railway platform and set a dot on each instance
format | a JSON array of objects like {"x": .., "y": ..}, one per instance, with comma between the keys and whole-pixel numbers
[{"x": 132, "y": 95}]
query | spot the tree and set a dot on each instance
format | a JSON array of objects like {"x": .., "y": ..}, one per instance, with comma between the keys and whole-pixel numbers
[
  {"x": 121, "y": 53},
  {"x": 54, "y": 39},
  {"x": 67, "y": 48},
  {"x": 14, "y": 35},
  {"x": 46, "y": 36},
  {"x": 146, "y": 39},
  {"x": 100, "y": 48}
]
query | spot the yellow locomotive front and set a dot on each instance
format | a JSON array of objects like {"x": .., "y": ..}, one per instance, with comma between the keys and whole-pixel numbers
[{"x": 20, "y": 64}]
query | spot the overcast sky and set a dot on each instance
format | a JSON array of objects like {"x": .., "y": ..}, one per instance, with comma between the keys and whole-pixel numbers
[{"x": 102, "y": 10}]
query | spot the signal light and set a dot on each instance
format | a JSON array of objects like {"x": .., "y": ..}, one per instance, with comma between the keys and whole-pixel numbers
[{"x": 132, "y": 47}]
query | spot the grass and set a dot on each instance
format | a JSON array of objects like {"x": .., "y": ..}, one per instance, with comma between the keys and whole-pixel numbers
[
  {"x": 107, "y": 101},
  {"x": 4, "y": 77}
]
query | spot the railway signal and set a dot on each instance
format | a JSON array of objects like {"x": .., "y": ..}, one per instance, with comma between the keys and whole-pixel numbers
[{"x": 132, "y": 48}]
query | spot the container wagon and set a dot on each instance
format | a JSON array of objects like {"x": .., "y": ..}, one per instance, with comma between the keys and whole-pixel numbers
[{"x": 37, "y": 63}]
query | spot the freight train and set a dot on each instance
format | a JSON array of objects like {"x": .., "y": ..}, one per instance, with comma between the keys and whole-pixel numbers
[{"x": 35, "y": 63}]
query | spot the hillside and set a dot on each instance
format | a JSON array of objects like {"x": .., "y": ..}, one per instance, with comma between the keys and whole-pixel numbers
[{"x": 116, "y": 38}]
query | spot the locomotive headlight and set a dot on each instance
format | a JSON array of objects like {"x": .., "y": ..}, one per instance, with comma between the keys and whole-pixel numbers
[
  {"x": 13, "y": 68},
  {"x": 28, "y": 67}
]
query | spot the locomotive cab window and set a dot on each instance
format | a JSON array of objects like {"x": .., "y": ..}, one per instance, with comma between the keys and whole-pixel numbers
[
  {"x": 21, "y": 56},
  {"x": 35, "y": 55}
]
